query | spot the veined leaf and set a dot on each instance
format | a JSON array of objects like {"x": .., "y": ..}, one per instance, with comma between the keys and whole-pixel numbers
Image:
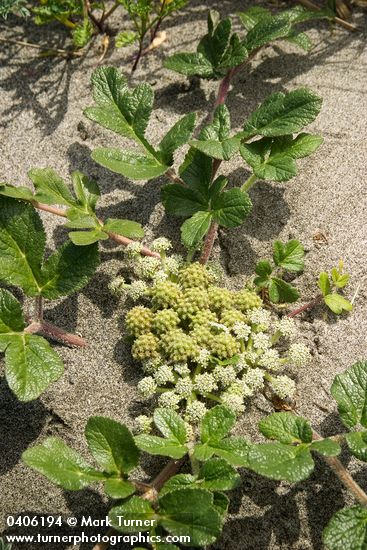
[
  {"x": 265, "y": 31},
  {"x": 111, "y": 444},
  {"x": 170, "y": 424},
  {"x": 283, "y": 114},
  {"x": 135, "y": 166},
  {"x": 119, "y": 488},
  {"x": 282, "y": 292},
  {"x": 349, "y": 390},
  {"x": 61, "y": 464},
  {"x": 231, "y": 208},
  {"x": 233, "y": 449},
  {"x": 86, "y": 191},
  {"x": 86, "y": 238},
  {"x": 347, "y": 529},
  {"x": 289, "y": 255},
  {"x": 11, "y": 317},
  {"x": 326, "y": 447},
  {"x": 190, "y": 64},
  {"x": 126, "y": 228},
  {"x": 182, "y": 201},
  {"x": 324, "y": 283},
  {"x": 155, "y": 445},
  {"x": 195, "y": 228},
  {"x": 136, "y": 509},
  {"x": 286, "y": 428},
  {"x": 216, "y": 424},
  {"x": 279, "y": 461},
  {"x": 16, "y": 192},
  {"x": 50, "y": 187},
  {"x": 337, "y": 303},
  {"x": 357, "y": 443},
  {"x": 178, "y": 135}
]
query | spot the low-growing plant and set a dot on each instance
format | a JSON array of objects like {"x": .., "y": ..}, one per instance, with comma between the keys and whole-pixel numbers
[
  {"x": 193, "y": 503},
  {"x": 269, "y": 279},
  {"x": 330, "y": 288}
]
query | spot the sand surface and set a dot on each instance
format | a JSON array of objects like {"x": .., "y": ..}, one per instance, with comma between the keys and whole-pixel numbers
[{"x": 42, "y": 125}]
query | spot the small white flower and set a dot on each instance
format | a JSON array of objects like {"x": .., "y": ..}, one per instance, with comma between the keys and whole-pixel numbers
[
  {"x": 219, "y": 327},
  {"x": 117, "y": 286},
  {"x": 151, "y": 365},
  {"x": 261, "y": 341},
  {"x": 251, "y": 357},
  {"x": 144, "y": 423},
  {"x": 136, "y": 289},
  {"x": 133, "y": 249},
  {"x": 224, "y": 375},
  {"x": 205, "y": 383},
  {"x": 195, "y": 411},
  {"x": 254, "y": 378},
  {"x": 283, "y": 386},
  {"x": 147, "y": 267},
  {"x": 241, "y": 364},
  {"x": 182, "y": 369},
  {"x": 174, "y": 263},
  {"x": 189, "y": 432},
  {"x": 259, "y": 316},
  {"x": 169, "y": 400},
  {"x": 242, "y": 330},
  {"x": 270, "y": 360},
  {"x": 163, "y": 375},
  {"x": 184, "y": 387},
  {"x": 233, "y": 402},
  {"x": 287, "y": 327},
  {"x": 203, "y": 357},
  {"x": 299, "y": 355},
  {"x": 147, "y": 387},
  {"x": 160, "y": 276},
  {"x": 161, "y": 245}
]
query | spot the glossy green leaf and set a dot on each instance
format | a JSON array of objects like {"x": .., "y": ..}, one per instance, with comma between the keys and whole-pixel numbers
[
  {"x": 283, "y": 114},
  {"x": 233, "y": 449},
  {"x": 119, "y": 488},
  {"x": 266, "y": 31},
  {"x": 179, "y": 481},
  {"x": 195, "y": 228},
  {"x": 324, "y": 283},
  {"x": 170, "y": 424},
  {"x": 196, "y": 171},
  {"x": 357, "y": 443},
  {"x": 286, "y": 428},
  {"x": 130, "y": 164},
  {"x": 16, "y": 192},
  {"x": 11, "y": 317},
  {"x": 160, "y": 446},
  {"x": 190, "y": 64},
  {"x": 177, "y": 136},
  {"x": 347, "y": 529},
  {"x": 126, "y": 228},
  {"x": 326, "y": 447},
  {"x": 136, "y": 511},
  {"x": 50, "y": 187},
  {"x": 231, "y": 208},
  {"x": 279, "y": 461},
  {"x": 289, "y": 255},
  {"x": 337, "y": 303},
  {"x": 111, "y": 444},
  {"x": 349, "y": 390},
  {"x": 282, "y": 292},
  {"x": 61, "y": 465},
  {"x": 216, "y": 424},
  {"x": 86, "y": 238},
  {"x": 80, "y": 220},
  {"x": 263, "y": 269},
  {"x": 182, "y": 201},
  {"x": 250, "y": 17},
  {"x": 86, "y": 191},
  {"x": 218, "y": 475},
  {"x": 190, "y": 512}
]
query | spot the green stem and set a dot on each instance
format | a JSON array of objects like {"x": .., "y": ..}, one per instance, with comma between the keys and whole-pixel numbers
[
  {"x": 249, "y": 183},
  {"x": 213, "y": 397}
]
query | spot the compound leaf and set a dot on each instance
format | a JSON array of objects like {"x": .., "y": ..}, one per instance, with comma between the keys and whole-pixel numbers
[{"x": 50, "y": 187}]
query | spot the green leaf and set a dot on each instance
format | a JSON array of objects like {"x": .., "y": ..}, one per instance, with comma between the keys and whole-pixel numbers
[
  {"x": 119, "y": 488},
  {"x": 22, "y": 244},
  {"x": 82, "y": 33},
  {"x": 190, "y": 512},
  {"x": 171, "y": 425},
  {"x": 177, "y": 136},
  {"x": 195, "y": 228},
  {"x": 221, "y": 503},
  {"x": 337, "y": 303},
  {"x": 68, "y": 270},
  {"x": 125, "y": 38},
  {"x": 61, "y": 465},
  {"x": 85, "y": 238},
  {"x": 111, "y": 444},
  {"x": 233, "y": 449},
  {"x": 214, "y": 44},
  {"x": 350, "y": 392},
  {"x": 130, "y": 164},
  {"x": 80, "y": 220},
  {"x": 182, "y": 201},
  {"x": 11, "y": 317},
  {"x": 16, "y": 192},
  {"x": 326, "y": 447},
  {"x": 190, "y": 64},
  {"x": 196, "y": 171},
  {"x": 279, "y": 461},
  {"x": 31, "y": 366},
  {"x": 216, "y": 424},
  {"x": 300, "y": 39},
  {"x": 266, "y": 31},
  {"x": 124, "y": 112},
  {"x": 357, "y": 443},
  {"x": 126, "y": 228},
  {"x": 347, "y": 529},
  {"x": 134, "y": 511},
  {"x": 250, "y": 17},
  {"x": 178, "y": 482},
  {"x": 160, "y": 446},
  {"x": 214, "y": 140},
  {"x": 231, "y": 208},
  {"x": 50, "y": 187},
  {"x": 302, "y": 146},
  {"x": 86, "y": 191},
  {"x": 283, "y": 114},
  {"x": 324, "y": 283},
  {"x": 286, "y": 428},
  {"x": 217, "y": 475},
  {"x": 289, "y": 255},
  {"x": 263, "y": 269},
  {"x": 340, "y": 280},
  {"x": 280, "y": 291}
]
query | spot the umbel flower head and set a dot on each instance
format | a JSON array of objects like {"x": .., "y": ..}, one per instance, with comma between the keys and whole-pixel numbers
[{"x": 200, "y": 344}]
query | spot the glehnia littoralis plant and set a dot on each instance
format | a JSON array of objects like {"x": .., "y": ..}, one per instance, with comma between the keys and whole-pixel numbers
[{"x": 194, "y": 503}]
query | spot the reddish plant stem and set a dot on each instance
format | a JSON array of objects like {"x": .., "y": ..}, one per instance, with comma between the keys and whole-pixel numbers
[
  {"x": 117, "y": 238},
  {"x": 305, "y": 307},
  {"x": 344, "y": 475},
  {"x": 150, "y": 492},
  {"x": 48, "y": 330}
]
